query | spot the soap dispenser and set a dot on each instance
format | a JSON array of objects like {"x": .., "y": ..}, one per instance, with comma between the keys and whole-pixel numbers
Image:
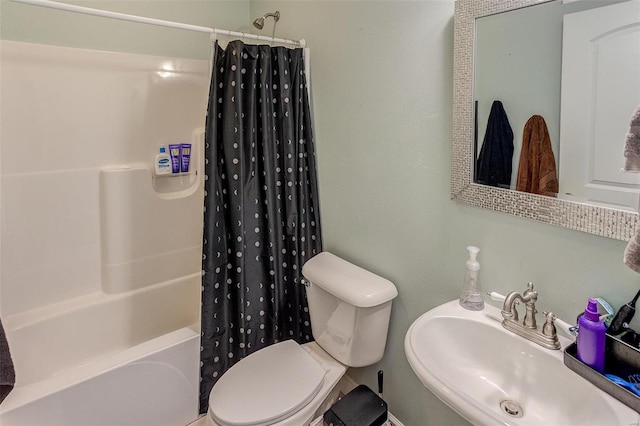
[{"x": 471, "y": 297}]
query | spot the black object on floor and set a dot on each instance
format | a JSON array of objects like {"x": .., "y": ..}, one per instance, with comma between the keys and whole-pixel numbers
[{"x": 360, "y": 407}]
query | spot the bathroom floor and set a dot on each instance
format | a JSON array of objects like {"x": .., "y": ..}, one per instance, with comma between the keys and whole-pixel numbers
[
  {"x": 391, "y": 422},
  {"x": 199, "y": 422}
]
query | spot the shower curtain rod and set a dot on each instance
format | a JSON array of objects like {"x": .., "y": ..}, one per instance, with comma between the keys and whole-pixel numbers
[{"x": 214, "y": 32}]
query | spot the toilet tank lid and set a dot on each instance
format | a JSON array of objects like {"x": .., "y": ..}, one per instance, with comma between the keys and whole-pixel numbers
[{"x": 347, "y": 281}]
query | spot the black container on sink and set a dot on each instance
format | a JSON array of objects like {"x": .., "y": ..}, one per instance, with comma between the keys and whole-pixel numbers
[{"x": 622, "y": 358}]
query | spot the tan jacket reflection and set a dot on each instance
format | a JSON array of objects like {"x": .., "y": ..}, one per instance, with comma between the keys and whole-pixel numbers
[{"x": 537, "y": 169}]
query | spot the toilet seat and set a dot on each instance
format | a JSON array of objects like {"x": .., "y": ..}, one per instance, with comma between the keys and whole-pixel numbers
[{"x": 266, "y": 387}]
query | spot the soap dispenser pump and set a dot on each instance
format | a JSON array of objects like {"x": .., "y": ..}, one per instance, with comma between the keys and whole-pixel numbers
[{"x": 471, "y": 297}]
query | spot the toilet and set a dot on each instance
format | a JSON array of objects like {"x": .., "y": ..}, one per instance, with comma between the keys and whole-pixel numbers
[{"x": 286, "y": 383}]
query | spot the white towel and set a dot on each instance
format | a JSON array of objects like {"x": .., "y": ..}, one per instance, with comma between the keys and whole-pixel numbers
[
  {"x": 632, "y": 144},
  {"x": 632, "y": 251},
  {"x": 632, "y": 165}
]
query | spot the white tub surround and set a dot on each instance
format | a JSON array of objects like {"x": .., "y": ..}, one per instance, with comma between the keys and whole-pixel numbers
[{"x": 101, "y": 259}]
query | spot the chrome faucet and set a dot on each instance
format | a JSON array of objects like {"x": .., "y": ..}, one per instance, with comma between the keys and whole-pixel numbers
[{"x": 547, "y": 336}]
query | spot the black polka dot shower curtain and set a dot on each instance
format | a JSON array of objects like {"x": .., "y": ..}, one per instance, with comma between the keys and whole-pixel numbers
[{"x": 261, "y": 213}]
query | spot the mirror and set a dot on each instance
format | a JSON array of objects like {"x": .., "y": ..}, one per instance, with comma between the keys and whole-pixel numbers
[
  {"x": 605, "y": 220},
  {"x": 527, "y": 74}
]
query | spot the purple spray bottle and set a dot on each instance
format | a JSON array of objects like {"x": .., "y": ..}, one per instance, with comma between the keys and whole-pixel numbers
[{"x": 591, "y": 337}]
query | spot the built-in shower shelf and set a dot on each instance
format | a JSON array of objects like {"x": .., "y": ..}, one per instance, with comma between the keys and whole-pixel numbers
[
  {"x": 175, "y": 185},
  {"x": 173, "y": 175}
]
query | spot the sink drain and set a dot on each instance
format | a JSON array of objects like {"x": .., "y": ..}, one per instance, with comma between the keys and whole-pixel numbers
[{"x": 512, "y": 408}]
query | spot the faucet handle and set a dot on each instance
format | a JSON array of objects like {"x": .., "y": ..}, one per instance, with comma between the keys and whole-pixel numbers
[
  {"x": 496, "y": 296},
  {"x": 568, "y": 329},
  {"x": 530, "y": 292},
  {"x": 549, "y": 328}
]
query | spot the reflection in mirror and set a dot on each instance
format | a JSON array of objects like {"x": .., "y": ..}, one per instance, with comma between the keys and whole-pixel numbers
[
  {"x": 520, "y": 64},
  {"x": 600, "y": 69},
  {"x": 529, "y": 89}
]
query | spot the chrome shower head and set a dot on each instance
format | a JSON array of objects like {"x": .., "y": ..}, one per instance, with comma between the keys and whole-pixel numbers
[{"x": 259, "y": 22}]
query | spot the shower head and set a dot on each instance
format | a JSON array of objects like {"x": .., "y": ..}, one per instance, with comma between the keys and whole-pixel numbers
[{"x": 259, "y": 22}]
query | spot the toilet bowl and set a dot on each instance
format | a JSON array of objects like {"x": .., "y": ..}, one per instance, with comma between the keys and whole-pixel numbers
[
  {"x": 286, "y": 383},
  {"x": 294, "y": 404}
]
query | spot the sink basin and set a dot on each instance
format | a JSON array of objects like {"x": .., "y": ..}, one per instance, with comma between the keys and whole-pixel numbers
[{"x": 491, "y": 376}]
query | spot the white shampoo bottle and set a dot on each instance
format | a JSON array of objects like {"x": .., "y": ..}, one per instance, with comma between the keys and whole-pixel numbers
[{"x": 163, "y": 162}]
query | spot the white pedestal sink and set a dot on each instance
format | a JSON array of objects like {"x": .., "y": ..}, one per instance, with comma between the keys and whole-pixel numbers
[{"x": 491, "y": 376}]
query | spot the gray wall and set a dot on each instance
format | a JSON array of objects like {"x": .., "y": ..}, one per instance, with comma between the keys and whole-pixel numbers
[
  {"x": 382, "y": 98},
  {"x": 33, "y": 24}
]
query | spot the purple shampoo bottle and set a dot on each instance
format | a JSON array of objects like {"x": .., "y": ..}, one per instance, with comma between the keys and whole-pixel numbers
[{"x": 591, "y": 337}]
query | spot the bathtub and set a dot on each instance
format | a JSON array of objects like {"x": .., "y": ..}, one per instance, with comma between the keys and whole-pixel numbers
[{"x": 125, "y": 359}]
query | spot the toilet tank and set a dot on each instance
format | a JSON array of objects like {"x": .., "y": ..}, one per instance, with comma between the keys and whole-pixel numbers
[{"x": 349, "y": 309}]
